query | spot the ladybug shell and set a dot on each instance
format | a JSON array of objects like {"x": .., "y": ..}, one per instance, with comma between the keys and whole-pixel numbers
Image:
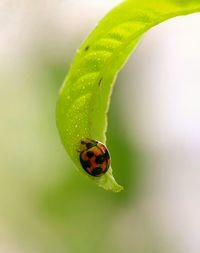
[{"x": 94, "y": 157}]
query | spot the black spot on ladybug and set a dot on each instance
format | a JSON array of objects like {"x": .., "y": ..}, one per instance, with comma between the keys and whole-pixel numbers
[
  {"x": 100, "y": 81},
  {"x": 100, "y": 159},
  {"x": 87, "y": 48},
  {"x": 85, "y": 164},
  {"x": 106, "y": 155},
  {"x": 96, "y": 171},
  {"x": 90, "y": 154}
]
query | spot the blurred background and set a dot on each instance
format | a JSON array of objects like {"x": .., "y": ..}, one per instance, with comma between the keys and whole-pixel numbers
[{"x": 45, "y": 205}]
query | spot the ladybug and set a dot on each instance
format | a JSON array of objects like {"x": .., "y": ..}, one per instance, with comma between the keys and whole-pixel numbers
[{"x": 94, "y": 157}]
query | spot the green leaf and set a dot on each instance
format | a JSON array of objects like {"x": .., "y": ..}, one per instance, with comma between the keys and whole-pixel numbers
[{"x": 85, "y": 95}]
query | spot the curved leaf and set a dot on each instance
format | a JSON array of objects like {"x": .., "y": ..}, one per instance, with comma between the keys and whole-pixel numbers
[{"x": 85, "y": 95}]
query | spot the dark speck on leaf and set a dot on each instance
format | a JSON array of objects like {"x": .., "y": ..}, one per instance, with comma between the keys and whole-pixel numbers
[
  {"x": 100, "y": 81},
  {"x": 87, "y": 48}
]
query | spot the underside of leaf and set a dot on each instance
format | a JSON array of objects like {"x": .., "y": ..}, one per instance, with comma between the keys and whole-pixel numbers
[{"x": 85, "y": 95}]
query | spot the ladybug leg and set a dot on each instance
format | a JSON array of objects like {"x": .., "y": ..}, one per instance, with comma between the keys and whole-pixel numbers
[{"x": 79, "y": 151}]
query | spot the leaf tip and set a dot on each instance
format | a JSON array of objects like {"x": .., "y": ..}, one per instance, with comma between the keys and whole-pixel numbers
[{"x": 109, "y": 183}]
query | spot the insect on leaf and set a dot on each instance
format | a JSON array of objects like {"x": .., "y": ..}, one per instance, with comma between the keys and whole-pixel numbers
[{"x": 84, "y": 97}]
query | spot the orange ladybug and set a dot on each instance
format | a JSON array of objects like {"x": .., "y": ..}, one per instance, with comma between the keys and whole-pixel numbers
[{"x": 94, "y": 157}]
